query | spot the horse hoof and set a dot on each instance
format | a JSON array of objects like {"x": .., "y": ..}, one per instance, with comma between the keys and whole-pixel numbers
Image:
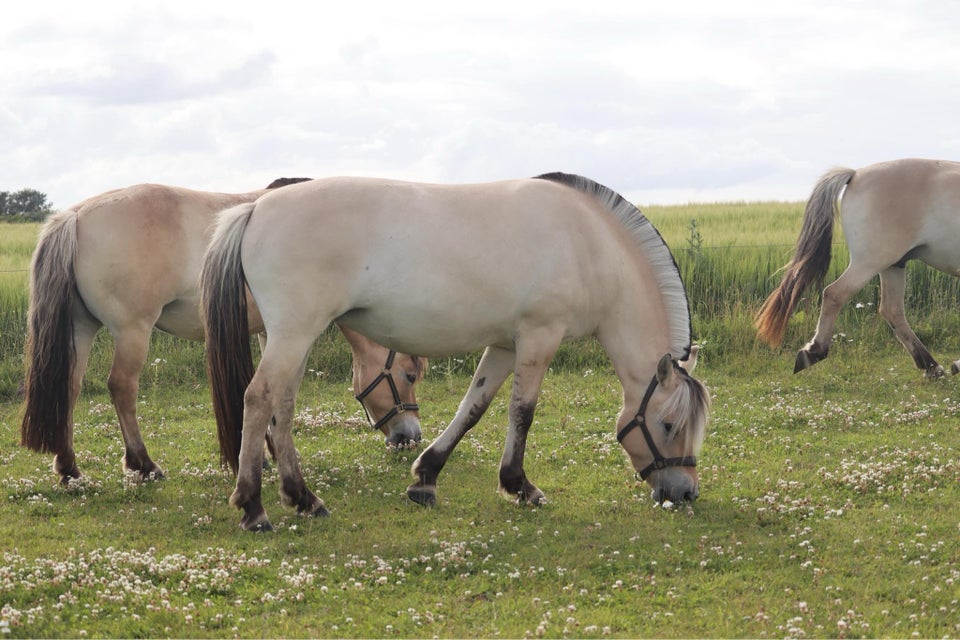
[
  {"x": 67, "y": 478},
  {"x": 802, "y": 362},
  {"x": 937, "y": 371},
  {"x": 806, "y": 359},
  {"x": 256, "y": 525},
  {"x": 954, "y": 369},
  {"x": 535, "y": 500},
  {"x": 154, "y": 474},
  {"x": 261, "y": 527},
  {"x": 426, "y": 496},
  {"x": 320, "y": 512}
]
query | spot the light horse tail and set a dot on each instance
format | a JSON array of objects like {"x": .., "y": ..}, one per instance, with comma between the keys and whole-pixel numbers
[
  {"x": 223, "y": 305},
  {"x": 51, "y": 352},
  {"x": 811, "y": 258}
]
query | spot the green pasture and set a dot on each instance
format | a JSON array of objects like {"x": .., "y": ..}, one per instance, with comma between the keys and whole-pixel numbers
[{"x": 830, "y": 500}]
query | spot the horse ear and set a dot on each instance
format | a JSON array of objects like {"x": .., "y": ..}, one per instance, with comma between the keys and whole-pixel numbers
[
  {"x": 664, "y": 369},
  {"x": 691, "y": 362}
]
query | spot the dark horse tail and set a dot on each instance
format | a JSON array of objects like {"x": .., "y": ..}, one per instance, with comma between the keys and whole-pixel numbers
[
  {"x": 51, "y": 352},
  {"x": 811, "y": 258},
  {"x": 223, "y": 306}
]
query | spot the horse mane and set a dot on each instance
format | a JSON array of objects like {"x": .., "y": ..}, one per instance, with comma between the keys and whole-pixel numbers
[
  {"x": 652, "y": 245},
  {"x": 282, "y": 182},
  {"x": 687, "y": 409}
]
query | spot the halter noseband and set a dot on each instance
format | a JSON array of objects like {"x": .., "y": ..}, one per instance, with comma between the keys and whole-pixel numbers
[
  {"x": 640, "y": 420},
  {"x": 398, "y": 405}
]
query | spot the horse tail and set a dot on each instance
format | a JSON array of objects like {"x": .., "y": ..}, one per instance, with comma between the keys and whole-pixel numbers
[
  {"x": 50, "y": 351},
  {"x": 223, "y": 305},
  {"x": 811, "y": 258}
]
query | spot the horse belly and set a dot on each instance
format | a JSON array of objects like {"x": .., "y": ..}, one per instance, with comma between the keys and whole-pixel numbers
[
  {"x": 430, "y": 331},
  {"x": 182, "y": 319}
]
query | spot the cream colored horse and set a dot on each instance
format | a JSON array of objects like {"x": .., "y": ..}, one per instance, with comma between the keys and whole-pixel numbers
[
  {"x": 517, "y": 267},
  {"x": 129, "y": 260},
  {"x": 891, "y": 212}
]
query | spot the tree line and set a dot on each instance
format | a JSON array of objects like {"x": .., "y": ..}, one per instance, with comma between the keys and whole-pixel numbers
[{"x": 24, "y": 205}]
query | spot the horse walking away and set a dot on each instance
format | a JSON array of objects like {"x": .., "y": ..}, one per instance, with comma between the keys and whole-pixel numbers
[
  {"x": 130, "y": 260},
  {"x": 515, "y": 267},
  {"x": 891, "y": 212}
]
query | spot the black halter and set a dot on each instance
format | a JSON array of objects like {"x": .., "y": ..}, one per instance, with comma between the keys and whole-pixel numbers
[
  {"x": 659, "y": 462},
  {"x": 398, "y": 405}
]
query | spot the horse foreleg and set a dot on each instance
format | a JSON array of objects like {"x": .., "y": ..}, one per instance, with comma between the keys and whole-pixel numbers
[
  {"x": 835, "y": 295},
  {"x": 892, "y": 289},
  {"x": 130, "y": 355},
  {"x": 495, "y": 365},
  {"x": 527, "y": 381}
]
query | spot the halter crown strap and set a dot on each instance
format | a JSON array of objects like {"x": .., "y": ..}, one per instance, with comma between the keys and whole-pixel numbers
[
  {"x": 640, "y": 420},
  {"x": 399, "y": 406}
]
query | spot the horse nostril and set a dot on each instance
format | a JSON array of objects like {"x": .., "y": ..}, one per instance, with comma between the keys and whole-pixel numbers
[{"x": 690, "y": 496}]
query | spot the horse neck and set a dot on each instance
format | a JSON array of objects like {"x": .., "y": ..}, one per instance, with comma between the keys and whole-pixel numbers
[{"x": 635, "y": 336}]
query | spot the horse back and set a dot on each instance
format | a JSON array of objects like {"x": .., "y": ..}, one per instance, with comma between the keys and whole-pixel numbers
[
  {"x": 451, "y": 259},
  {"x": 905, "y": 208},
  {"x": 139, "y": 249}
]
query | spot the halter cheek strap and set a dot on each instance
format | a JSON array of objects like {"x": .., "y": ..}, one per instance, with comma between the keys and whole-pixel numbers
[
  {"x": 399, "y": 406},
  {"x": 640, "y": 420}
]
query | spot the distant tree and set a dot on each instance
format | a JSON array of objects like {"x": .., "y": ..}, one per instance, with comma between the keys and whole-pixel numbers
[{"x": 25, "y": 204}]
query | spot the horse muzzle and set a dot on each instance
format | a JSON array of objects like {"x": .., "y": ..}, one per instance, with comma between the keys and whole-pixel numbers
[
  {"x": 404, "y": 431},
  {"x": 674, "y": 484}
]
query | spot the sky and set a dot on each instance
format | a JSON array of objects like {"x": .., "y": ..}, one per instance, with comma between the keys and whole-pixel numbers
[{"x": 665, "y": 102}]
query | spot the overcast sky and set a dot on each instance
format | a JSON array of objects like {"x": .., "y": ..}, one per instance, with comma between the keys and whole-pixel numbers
[{"x": 665, "y": 102}]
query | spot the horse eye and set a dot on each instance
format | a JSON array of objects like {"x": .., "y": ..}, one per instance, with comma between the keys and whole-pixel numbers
[
  {"x": 668, "y": 426},
  {"x": 411, "y": 377}
]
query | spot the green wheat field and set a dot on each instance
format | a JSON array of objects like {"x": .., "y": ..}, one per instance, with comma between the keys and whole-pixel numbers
[{"x": 830, "y": 499}]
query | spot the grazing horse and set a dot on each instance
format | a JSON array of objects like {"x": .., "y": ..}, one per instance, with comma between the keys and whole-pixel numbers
[
  {"x": 129, "y": 260},
  {"x": 516, "y": 267},
  {"x": 891, "y": 212}
]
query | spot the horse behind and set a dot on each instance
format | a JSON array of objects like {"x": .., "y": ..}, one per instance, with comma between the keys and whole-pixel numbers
[
  {"x": 514, "y": 267},
  {"x": 129, "y": 260},
  {"x": 891, "y": 212}
]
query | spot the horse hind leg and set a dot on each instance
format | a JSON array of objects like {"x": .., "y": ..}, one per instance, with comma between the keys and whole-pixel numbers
[
  {"x": 129, "y": 358},
  {"x": 84, "y": 332},
  {"x": 495, "y": 365},
  {"x": 835, "y": 295},
  {"x": 269, "y": 400},
  {"x": 293, "y": 488},
  {"x": 892, "y": 289}
]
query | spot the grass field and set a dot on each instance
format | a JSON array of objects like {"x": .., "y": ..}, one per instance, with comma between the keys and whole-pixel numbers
[{"x": 830, "y": 500}]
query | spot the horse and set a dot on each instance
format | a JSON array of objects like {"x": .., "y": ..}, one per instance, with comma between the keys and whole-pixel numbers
[
  {"x": 514, "y": 267},
  {"x": 129, "y": 260},
  {"x": 891, "y": 212}
]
